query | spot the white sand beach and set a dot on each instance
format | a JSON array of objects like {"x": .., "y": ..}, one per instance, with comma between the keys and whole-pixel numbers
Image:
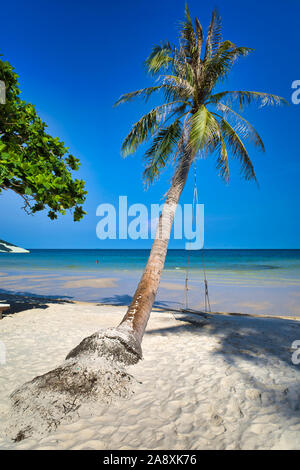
[{"x": 225, "y": 382}]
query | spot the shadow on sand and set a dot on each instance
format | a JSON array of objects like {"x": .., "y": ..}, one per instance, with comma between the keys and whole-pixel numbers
[
  {"x": 264, "y": 342},
  {"x": 125, "y": 300},
  {"x": 249, "y": 337},
  {"x": 20, "y": 301}
]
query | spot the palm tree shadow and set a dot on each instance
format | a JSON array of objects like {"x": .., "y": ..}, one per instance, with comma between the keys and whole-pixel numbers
[
  {"x": 118, "y": 300},
  {"x": 20, "y": 301},
  {"x": 252, "y": 338},
  {"x": 125, "y": 300}
]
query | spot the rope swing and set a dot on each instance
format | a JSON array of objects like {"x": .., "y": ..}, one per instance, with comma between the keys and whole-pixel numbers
[{"x": 186, "y": 288}]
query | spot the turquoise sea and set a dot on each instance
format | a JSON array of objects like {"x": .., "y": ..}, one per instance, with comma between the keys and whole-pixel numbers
[{"x": 250, "y": 281}]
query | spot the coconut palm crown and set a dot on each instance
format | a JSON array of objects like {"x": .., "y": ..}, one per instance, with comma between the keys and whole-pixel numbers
[{"x": 193, "y": 116}]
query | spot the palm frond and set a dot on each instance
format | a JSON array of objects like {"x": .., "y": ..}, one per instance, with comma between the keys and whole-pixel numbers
[
  {"x": 171, "y": 92},
  {"x": 159, "y": 153},
  {"x": 184, "y": 70},
  {"x": 238, "y": 150},
  {"x": 214, "y": 36},
  {"x": 174, "y": 92},
  {"x": 204, "y": 131},
  {"x": 244, "y": 128},
  {"x": 248, "y": 97},
  {"x": 161, "y": 58},
  {"x": 143, "y": 129},
  {"x": 188, "y": 38},
  {"x": 222, "y": 161},
  {"x": 186, "y": 89},
  {"x": 144, "y": 92},
  {"x": 217, "y": 67},
  {"x": 226, "y": 55},
  {"x": 140, "y": 132},
  {"x": 200, "y": 37}
]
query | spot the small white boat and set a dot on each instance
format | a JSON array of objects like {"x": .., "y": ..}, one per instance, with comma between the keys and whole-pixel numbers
[{"x": 6, "y": 247}]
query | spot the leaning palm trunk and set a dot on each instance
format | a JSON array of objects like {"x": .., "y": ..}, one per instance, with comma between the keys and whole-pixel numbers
[
  {"x": 138, "y": 313},
  {"x": 95, "y": 370}
]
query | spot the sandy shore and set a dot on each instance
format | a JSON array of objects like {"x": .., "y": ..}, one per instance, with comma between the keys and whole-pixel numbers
[{"x": 225, "y": 382}]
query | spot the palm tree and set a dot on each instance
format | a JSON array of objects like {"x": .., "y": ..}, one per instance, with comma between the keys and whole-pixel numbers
[{"x": 194, "y": 120}]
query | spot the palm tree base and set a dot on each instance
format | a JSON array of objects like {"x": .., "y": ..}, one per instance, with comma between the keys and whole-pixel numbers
[
  {"x": 93, "y": 374},
  {"x": 118, "y": 344}
]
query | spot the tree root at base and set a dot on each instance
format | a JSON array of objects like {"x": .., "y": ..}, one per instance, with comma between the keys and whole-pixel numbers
[{"x": 93, "y": 373}]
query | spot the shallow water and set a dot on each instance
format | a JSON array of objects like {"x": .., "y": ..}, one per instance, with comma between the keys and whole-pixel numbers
[{"x": 252, "y": 281}]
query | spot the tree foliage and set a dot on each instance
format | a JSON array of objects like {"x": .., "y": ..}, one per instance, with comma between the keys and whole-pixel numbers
[
  {"x": 33, "y": 164},
  {"x": 193, "y": 116}
]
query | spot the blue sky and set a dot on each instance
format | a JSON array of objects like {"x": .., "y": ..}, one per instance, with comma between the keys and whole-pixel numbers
[{"x": 76, "y": 58}]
